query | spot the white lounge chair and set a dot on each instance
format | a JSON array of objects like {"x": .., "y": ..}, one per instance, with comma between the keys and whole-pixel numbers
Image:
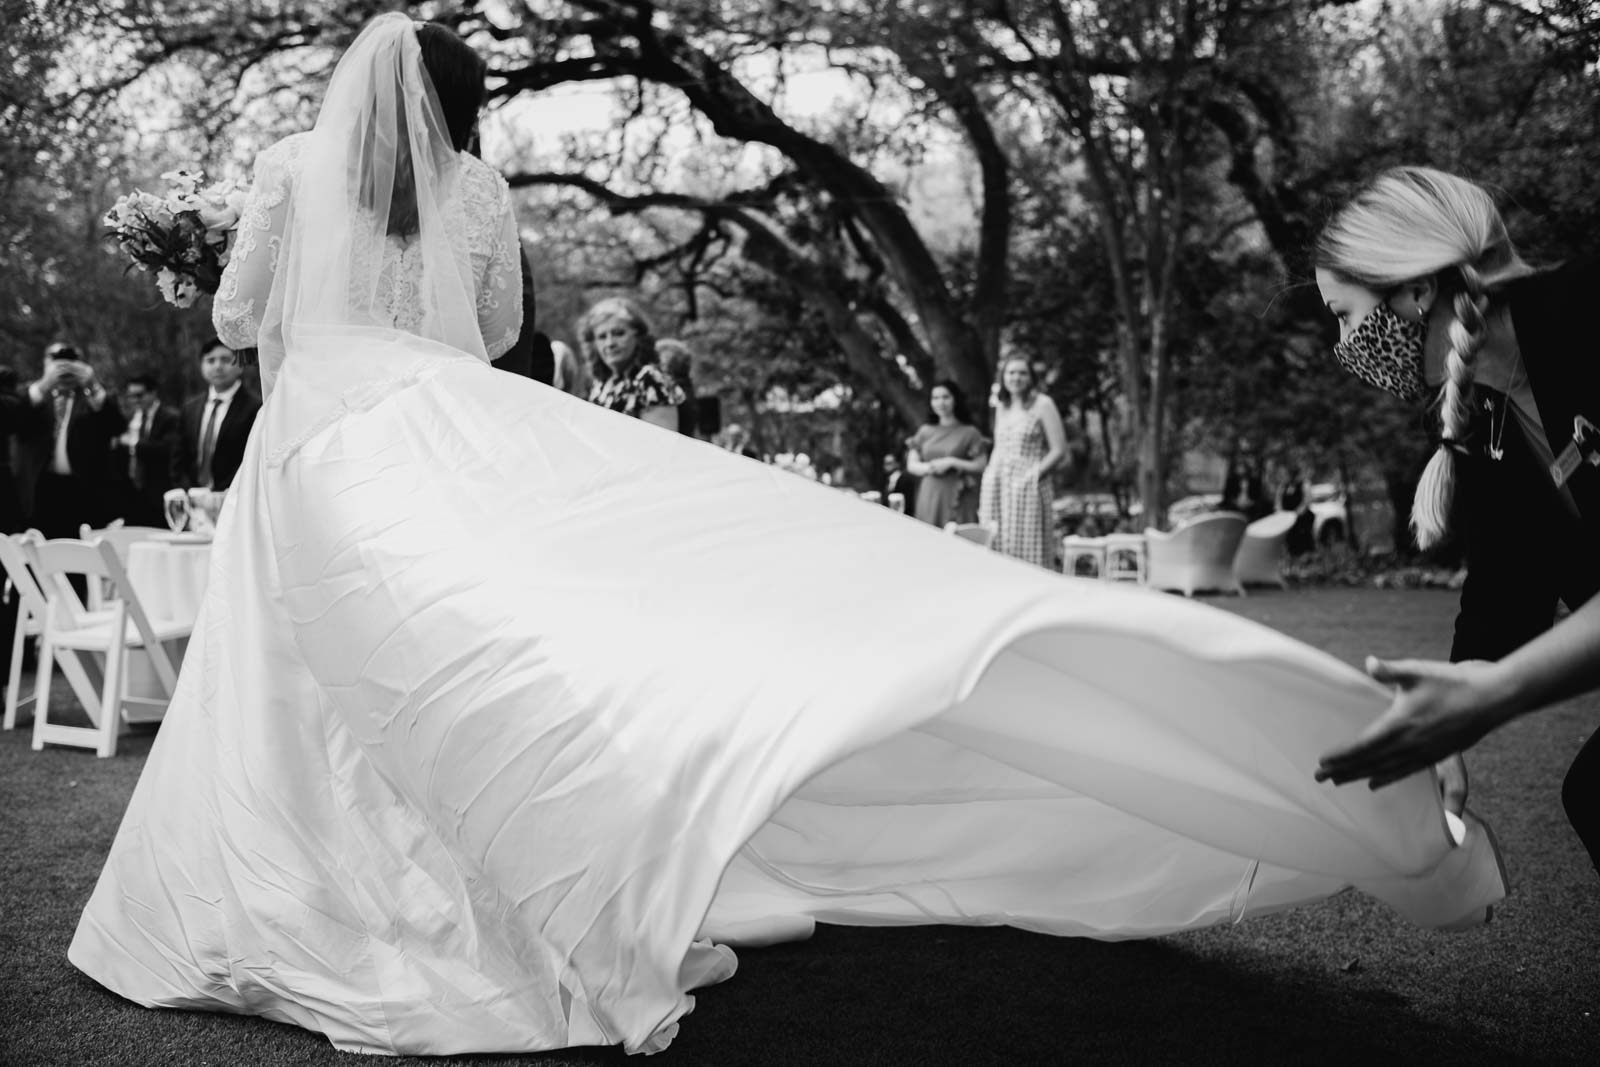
[{"x": 1198, "y": 555}]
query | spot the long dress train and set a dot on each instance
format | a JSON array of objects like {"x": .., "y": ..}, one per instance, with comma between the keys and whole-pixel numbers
[{"x": 500, "y": 706}]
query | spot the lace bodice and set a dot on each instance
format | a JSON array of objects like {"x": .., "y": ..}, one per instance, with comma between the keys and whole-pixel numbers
[{"x": 483, "y": 229}]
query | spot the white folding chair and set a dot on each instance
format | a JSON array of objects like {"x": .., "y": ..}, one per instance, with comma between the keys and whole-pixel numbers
[
  {"x": 119, "y": 537},
  {"x": 979, "y": 533},
  {"x": 69, "y": 629},
  {"x": 23, "y": 583},
  {"x": 20, "y": 583}
]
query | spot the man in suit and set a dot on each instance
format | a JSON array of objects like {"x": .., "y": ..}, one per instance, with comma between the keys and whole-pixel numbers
[
  {"x": 216, "y": 424},
  {"x": 145, "y": 455},
  {"x": 896, "y": 479},
  {"x": 64, "y": 434}
]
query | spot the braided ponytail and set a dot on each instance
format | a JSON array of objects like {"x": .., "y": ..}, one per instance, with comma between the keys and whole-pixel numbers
[
  {"x": 1431, "y": 507},
  {"x": 1413, "y": 223}
]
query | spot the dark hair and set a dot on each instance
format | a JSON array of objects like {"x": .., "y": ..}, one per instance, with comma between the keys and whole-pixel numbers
[
  {"x": 61, "y": 350},
  {"x": 959, "y": 408},
  {"x": 147, "y": 382},
  {"x": 1002, "y": 395},
  {"x": 677, "y": 360},
  {"x": 457, "y": 72},
  {"x": 616, "y": 307},
  {"x": 208, "y": 344}
]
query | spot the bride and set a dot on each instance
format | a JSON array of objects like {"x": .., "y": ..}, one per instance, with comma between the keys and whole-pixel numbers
[{"x": 505, "y": 714}]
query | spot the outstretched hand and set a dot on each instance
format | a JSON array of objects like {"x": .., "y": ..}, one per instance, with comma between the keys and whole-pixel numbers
[{"x": 1438, "y": 710}]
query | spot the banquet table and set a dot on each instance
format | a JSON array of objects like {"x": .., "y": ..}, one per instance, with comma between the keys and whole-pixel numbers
[{"x": 169, "y": 576}]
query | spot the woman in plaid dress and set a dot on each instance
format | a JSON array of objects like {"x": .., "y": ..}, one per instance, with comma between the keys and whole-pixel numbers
[{"x": 1029, "y": 441}]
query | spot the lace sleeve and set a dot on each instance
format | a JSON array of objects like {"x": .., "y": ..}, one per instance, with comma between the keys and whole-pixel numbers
[
  {"x": 247, "y": 279},
  {"x": 500, "y": 288}
]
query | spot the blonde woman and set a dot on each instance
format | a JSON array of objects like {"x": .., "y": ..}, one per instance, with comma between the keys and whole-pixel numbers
[
  {"x": 1432, "y": 299},
  {"x": 620, "y": 344},
  {"x": 1029, "y": 442}
]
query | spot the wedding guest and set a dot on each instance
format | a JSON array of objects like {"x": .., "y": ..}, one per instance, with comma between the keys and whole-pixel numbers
[
  {"x": 622, "y": 358},
  {"x": 569, "y": 373},
  {"x": 947, "y": 454},
  {"x": 1244, "y": 490},
  {"x": 12, "y": 402},
  {"x": 1029, "y": 442},
  {"x": 145, "y": 457},
  {"x": 64, "y": 439},
  {"x": 1292, "y": 497},
  {"x": 896, "y": 479},
  {"x": 678, "y": 361},
  {"x": 1431, "y": 295},
  {"x": 217, "y": 423},
  {"x": 11, "y": 409}
]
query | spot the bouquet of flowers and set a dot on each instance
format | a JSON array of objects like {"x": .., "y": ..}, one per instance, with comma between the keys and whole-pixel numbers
[{"x": 183, "y": 237}]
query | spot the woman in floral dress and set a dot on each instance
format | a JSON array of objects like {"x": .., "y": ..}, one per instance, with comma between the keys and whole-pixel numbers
[
  {"x": 620, "y": 344},
  {"x": 1029, "y": 441}
]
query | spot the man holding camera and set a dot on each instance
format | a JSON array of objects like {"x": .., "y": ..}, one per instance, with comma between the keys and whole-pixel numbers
[{"x": 64, "y": 436}]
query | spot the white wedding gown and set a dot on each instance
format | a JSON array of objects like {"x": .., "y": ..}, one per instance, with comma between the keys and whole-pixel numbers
[
  {"x": 498, "y": 702},
  {"x": 504, "y": 714}
]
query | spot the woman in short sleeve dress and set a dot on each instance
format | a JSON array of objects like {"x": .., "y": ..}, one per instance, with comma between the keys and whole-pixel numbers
[{"x": 947, "y": 454}]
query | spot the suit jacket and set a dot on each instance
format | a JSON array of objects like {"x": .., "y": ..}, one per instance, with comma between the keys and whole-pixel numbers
[
  {"x": 231, "y": 438},
  {"x": 89, "y": 436},
  {"x": 152, "y": 468},
  {"x": 1525, "y": 548},
  {"x": 11, "y": 407},
  {"x": 902, "y": 481}
]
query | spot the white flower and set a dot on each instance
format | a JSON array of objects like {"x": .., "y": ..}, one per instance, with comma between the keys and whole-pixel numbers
[
  {"x": 177, "y": 291},
  {"x": 184, "y": 179}
]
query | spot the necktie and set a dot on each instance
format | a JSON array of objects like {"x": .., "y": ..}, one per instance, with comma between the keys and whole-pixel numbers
[
  {"x": 208, "y": 442},
  {"x": 63, "y": 417}
]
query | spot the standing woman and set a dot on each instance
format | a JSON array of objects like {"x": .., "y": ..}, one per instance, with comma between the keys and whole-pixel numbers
[
  {"x": 1029, "y": 441},
  {"x": 947, "y": 454},
  {"x": 628, "y": 378},
  {"x": 1430, "y": 294}
]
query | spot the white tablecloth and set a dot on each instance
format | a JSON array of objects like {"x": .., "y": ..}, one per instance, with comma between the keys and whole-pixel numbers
[
  {"x": 169, "y": 578},
  {"x": 171, "y": 581}
]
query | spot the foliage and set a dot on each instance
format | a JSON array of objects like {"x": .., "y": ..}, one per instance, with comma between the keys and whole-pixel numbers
[{"x": 1125, "y": 192}]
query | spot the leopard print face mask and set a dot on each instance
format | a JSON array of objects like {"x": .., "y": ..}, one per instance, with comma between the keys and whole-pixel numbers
[{"x": 1386, "y": 351}]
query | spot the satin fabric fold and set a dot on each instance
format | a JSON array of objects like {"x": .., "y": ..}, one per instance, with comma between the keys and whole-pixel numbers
[{"x": 500, "y": 705}]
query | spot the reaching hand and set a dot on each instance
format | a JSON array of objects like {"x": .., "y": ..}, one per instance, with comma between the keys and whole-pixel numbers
[{"x": 1438, "y": 710}]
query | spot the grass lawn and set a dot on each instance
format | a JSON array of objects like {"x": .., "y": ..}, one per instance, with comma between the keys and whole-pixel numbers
[{"x": 1342, "y": 982}]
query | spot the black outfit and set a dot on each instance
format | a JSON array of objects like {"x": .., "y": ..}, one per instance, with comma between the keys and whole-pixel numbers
[
  {"x": 11, "y": 405},
  {"x": 228, "y": 451},
  {"x": 56, "y": 504},
  {"x": 151, "y": 469},
  {"x": 904, "y": 482},
  {"x": 1525, "y": 549},
  {"x": 1243, "y": 491}
]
